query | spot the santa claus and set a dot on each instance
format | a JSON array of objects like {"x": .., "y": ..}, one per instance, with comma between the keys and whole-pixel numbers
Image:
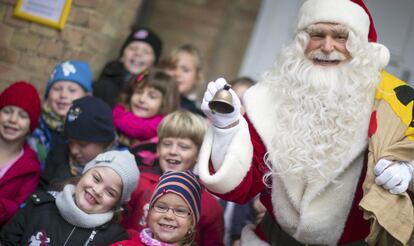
[{"x": 327, "y": 138}]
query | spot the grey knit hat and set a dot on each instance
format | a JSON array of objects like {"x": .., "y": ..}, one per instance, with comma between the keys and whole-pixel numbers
[{"x": 123, "y": 163}]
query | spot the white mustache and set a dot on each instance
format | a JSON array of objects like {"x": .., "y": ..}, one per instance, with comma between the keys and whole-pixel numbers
[{"x": 333, "y": 56}]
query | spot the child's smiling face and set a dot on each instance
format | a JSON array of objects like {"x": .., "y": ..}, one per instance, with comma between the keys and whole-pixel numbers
[
  {"x": 137, "y": 57},
  {"x": 14, "y": 123},
  {"x": 146, "y": 102},
  {"x": 62, "y": 94},
  {"x": 167, "y": 226},
  {"x": 99, "y": 190}
]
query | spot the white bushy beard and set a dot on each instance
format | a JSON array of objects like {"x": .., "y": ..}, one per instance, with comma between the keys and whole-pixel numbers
[{"x": 320, "y": 111}]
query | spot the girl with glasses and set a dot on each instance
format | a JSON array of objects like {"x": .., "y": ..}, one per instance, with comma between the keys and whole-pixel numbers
[{"x": 173, "y": 214}]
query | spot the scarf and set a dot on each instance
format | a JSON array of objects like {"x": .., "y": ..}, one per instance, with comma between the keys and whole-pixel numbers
[
  {"x": 65, "y": 203},
  {"x": 53, "y": 121},
  {"x": 147, "y": 239}
]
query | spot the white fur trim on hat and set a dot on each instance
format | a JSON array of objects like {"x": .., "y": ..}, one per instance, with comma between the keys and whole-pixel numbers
[
  {"x": 342, "y": 12},
  {"x": 123, "y": 163}
]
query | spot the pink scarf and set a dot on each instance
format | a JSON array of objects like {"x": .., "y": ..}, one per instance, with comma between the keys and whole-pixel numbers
[{"x": 146, "y": 237}]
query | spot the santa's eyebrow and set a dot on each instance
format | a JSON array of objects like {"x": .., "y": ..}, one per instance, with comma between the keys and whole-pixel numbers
[
  {"x": 340, "y": 30},
  {"x": 314, "y": 30}
]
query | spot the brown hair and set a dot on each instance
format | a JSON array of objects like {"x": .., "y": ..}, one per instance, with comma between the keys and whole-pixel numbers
[{"x": 158, "y": 79}]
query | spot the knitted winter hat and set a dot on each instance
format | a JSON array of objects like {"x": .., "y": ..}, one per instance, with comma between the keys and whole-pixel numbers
[
  {"x": 90, "y": 119},
  {"x": 123, "y": 163},
  {"x": 23, "y": 95},
  {"x": 147, "y": 36},
  {"x": 353, "y": 14},
  {"x": 78, "y": 72},
  {"x": 183, "y": 184}
]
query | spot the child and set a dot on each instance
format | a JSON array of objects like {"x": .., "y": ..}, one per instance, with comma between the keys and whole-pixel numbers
[
  {"x": 174, "y": 211},
  {"x": 145, "y": 101},
  {"x": 69, "y": 81},
  {"x": 180, "y": 136},
  {"x": 90, "y": 131},
  {"x": 82, "y": 213},
  {"x": 140, "y": 51},
  {"x": 184, "y": 64},
  {"x": 240, "y": 86},
  {"x": 19, "y": 168}
]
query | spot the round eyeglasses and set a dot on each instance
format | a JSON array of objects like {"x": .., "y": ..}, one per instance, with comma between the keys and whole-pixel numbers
[{"x": 180, "y": 212}]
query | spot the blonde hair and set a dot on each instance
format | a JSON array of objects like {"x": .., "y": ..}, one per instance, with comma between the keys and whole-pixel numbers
[
  {"x": 183, "y": 124},
  {"x": 172, "y": 59},
  {"x": 158, "y": 79}
]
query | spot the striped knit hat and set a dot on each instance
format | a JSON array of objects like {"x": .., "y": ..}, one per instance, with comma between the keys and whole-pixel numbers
[{"x": 184, "y": 184}]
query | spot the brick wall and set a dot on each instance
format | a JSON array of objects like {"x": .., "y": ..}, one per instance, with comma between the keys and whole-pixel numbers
[
  {"x": 94, "y": 32},
  {"x": 96, "y": 29}
]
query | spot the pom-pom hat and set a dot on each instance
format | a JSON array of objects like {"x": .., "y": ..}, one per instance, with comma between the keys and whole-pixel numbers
[
  {"x": 353, "y": 14},
  {"x": 184, "y": 184},
  {"x": 75, "y": 71},
  {"x": 90, "y": 119},
  {"x": 123, "y": 163},
  {"x": 23, "y": 95}
]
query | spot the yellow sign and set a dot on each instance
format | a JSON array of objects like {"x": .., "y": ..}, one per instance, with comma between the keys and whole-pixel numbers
[{"x": 53, "y": 13}]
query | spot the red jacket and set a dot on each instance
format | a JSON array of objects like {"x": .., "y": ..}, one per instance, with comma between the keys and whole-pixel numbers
[
  {"x": 18, "y": 183},
  {"x": 210, "y": 228}
]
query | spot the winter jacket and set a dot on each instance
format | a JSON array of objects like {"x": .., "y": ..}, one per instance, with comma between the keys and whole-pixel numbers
[
  {"x": 40, "y": 223},
  {"x": 57, "y": 168},
  {"x": 210, "y": 228},
  {"x": 18, "y": 183},
  {"x": 190, "y": 105},
  {"x": 111, "y": 82}
]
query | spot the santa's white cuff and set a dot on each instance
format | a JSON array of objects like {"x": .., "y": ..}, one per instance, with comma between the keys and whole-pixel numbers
[{"x": 236, "y": 160}]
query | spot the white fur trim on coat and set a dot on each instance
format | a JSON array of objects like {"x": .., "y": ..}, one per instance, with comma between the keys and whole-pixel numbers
[
  {"x": 343, "y": 12},
  {"x": 310, "y": 212},
  {"x": 235, "y": 166}
]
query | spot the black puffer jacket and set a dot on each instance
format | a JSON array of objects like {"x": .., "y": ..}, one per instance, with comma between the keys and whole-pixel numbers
[
  {"x": 40, "y": 223},
  {"x": 111, "y": 82},
  {"x": 57, "y": 167}
]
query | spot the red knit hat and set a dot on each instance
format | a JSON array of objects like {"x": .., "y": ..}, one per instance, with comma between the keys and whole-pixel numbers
[{"x": 23, "y": 95}]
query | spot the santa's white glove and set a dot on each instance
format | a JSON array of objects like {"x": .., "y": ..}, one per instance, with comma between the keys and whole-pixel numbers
[
  {"x": 218, "y": 119},
  {"x": 393, "y": 176}
]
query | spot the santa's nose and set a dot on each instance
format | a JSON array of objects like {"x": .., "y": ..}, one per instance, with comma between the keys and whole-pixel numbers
[{"x": 327, "y": 45}]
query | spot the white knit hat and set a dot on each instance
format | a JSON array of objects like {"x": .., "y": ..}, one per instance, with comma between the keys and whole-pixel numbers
[
  {"x": 123, "y": 163},
  {"x": 352, "y": 14}
]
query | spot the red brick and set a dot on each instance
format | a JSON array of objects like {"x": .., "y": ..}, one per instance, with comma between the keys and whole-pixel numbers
[
  {"x": 25, "y": 40},
  {"x": 33, "y": 62},
  {"x": 9, "y": 55},
  {"x": 87, "y": 3},
  {"x": 79, "y": 16},
  {"x": 74, "y": 35},
  {"x": 44, "y": 30},
  {"x": 51, "y": 48},
  {"x": 6, "y": 34}
]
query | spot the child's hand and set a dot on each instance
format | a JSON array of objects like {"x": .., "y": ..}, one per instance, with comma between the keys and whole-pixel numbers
[{"x": 220, "y": 120}]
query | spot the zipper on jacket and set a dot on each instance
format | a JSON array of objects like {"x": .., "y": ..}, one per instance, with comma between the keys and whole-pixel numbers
[
  {"x": 90, "y": 238},
  {"x": 70, "y": 234}
]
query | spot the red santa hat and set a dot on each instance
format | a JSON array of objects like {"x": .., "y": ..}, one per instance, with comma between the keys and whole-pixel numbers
[{"x": 351, "y": 13}]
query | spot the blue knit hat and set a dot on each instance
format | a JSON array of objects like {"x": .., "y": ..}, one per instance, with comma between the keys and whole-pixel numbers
[
  {"x": 184, "y": 184},
  {"x": 90, "y": 119},
  {"x": 78, "y": 72}
]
